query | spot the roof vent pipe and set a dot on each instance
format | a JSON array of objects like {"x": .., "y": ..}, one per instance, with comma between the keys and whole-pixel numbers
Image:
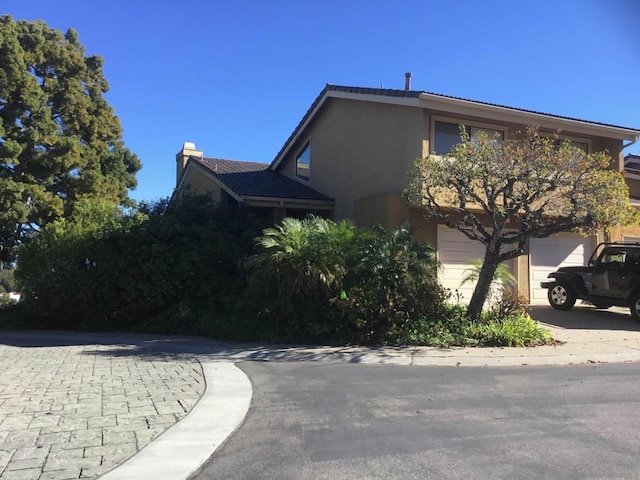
[{"x": 407, "y": 81}]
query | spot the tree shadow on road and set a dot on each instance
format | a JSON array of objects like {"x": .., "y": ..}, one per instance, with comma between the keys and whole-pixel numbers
[{"x": 160, "y": 346}]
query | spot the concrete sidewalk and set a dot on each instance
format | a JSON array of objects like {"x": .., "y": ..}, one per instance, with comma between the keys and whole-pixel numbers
[{"x": 78, "y": 405}]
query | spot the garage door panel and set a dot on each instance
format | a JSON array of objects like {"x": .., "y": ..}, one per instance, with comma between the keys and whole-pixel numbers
[
  {"x": 455, "y": 254},
  {"x": 547, "y": 254}
]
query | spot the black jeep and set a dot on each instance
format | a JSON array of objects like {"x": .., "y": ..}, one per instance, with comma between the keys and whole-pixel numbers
[{"x": 611, "y": 278}]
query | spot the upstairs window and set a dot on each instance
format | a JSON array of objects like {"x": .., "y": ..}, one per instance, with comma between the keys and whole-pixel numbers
[
  {"x": 584, "y": 146},
  {"x": 575, "y": 142},
  {"x": 447, "y": 135},
  {"x": 303, "y": 163}
]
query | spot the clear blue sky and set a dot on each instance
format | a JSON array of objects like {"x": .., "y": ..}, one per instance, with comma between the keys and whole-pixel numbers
[{"x": 235, "y": 77}]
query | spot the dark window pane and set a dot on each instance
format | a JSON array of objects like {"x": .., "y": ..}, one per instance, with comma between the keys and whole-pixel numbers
[
  {"x": 303, "y": 163},
  {"x": 447, "y": 136}
]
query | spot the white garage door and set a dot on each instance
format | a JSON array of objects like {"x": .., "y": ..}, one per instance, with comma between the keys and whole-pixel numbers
[
  {"x": 547, "y": 254},
  {"x": 455, "y": 252}
]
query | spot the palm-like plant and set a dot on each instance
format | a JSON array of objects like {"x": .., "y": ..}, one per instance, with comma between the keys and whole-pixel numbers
[
  {"x": 502, "y": 274},
  {"x": 304, "y": 255}
]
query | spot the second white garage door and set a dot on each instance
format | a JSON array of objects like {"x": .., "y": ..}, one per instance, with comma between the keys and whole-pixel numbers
[{"x": 547, "y": 254}]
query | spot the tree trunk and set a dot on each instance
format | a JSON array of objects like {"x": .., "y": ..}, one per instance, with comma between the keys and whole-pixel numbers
[{"x": 485, "y": 278}]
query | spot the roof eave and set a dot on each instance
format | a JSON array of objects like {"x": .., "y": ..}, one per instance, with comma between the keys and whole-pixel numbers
[
  {"x": 547, "y": 121},
  {"x": 462, "y": 107},
  {"x": 284, "y": 201}
]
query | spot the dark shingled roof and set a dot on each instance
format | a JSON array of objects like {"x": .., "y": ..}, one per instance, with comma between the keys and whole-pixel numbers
[
  {"x": 388, "y": 92},
  {"x": 251, "y": 179}
]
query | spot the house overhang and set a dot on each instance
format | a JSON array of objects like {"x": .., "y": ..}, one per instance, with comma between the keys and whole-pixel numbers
[
  {"x": 524, "y": 117},
  {"x": 298, "y": 203},
  {"x": 464, "y": 107}
]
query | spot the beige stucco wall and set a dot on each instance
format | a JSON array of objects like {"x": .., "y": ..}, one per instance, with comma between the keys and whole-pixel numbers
[
  {"x": 360, "y": 149},
  {"x": 391, "y": 211},
  {"x": 617, "y": 233},
  {"x": 199, "y": 183}
]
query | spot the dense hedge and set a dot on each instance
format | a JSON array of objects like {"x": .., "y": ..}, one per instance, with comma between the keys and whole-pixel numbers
[
  {"x": 152, "y": 269},
  {"x": 193, "y": 268}
]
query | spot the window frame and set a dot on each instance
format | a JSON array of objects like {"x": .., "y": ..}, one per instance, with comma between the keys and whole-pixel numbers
[
  {"x": 306, "y": 146},
  {"x": 571, "y": 138},
  {"x": 459, "y": 121},
  {"x": 632, "y": 173}
]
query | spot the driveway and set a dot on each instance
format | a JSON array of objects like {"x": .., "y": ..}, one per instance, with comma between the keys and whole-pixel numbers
[
  {"x": 77, "y": 410},
  {"x": 586, "y": 329}
]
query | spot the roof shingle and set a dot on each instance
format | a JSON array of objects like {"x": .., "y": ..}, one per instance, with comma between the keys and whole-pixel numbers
[{"x": 251, "y": 179}]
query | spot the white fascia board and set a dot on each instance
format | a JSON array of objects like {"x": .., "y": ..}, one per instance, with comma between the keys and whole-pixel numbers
[
  {"x": 375, "y": 98},
  {"x": 506, "y": 114},
  {"x": 186, "y": 168}
]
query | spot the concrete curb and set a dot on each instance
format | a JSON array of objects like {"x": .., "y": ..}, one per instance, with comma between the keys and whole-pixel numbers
[{"x": 190, "y": 442}]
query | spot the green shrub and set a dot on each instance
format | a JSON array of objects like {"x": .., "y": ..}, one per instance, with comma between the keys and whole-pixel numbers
[
  {"x": 454, "y": 328},
  {"x": 517, "y": 331},
  {"x": 6, "y": 300},
  {"x": 509, "y": 303},
  {"x": 318, "y": 281},
  {"x": 149, "y": 269},
  {"x": 393, "y": 280},
  {"x": 7, "y": 281},
  {"x": 13, "y": 316},
  {"x": 191, "y": 268},
  {"x": 300, "y": 267}
]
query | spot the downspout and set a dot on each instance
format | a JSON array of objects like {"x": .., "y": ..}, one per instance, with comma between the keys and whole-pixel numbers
[{"x": 632, "y": 142}]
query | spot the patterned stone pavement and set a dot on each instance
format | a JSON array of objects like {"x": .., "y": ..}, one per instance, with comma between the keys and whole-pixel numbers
[{"x": 77, "y": 411}]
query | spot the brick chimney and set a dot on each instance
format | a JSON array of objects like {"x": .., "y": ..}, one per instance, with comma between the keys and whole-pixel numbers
[{"x": 188, "y": 150}]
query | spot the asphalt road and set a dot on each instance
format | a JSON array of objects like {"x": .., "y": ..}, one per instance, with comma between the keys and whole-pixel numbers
[{"x": 346, "y": 421}]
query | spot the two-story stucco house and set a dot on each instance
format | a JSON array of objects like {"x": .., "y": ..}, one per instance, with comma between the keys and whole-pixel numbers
[{"x": 350, "y": 156}]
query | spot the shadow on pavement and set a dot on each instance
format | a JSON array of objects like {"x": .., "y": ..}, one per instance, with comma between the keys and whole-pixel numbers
[
  {"x": 586, "y": 317},
  {"x": 158, "y": 346}
]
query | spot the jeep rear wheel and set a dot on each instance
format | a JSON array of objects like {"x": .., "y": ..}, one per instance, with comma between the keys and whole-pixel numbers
[
  {"x": 561, "y": 296},
  {"x": 635, "y": 306}
]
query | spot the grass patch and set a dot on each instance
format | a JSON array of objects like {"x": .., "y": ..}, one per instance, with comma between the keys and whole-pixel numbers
[{"x": 490, "y": 330}]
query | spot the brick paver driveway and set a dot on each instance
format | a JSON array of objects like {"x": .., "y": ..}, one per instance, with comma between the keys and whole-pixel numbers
[{"x": 77, "y": 411}]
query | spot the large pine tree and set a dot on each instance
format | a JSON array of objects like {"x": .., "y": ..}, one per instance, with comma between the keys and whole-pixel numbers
[{"x": 59, "y": 138}]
